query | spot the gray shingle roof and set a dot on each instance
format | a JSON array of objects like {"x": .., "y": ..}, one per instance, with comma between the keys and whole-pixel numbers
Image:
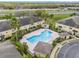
[
  {"x": 43, "y": 48},
  {"x": 72, "y": 21},
  {"x": 8, "y": 50},
  {"x": 27, "y": 20},
  {"x": 5, "y": 25}
]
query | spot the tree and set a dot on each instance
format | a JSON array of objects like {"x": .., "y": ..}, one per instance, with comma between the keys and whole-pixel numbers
[
  {"x": 32, "y": 22},
  {"x": 7, "y": 16},
  {"x": 15, "y": 25},
  {"x": 41, "y": 13},
  {"x": 25, "y": 47},
  {"x": 73, "y": 14},
  {"x": 47, "y": 17},
  {"x": 44, "y": 15},
  {"x": 47, "y": 56},
  {"x": 23, "y": 13},
  {"x": 52, "y": 22},
  {"x": 22, "y": 47}
]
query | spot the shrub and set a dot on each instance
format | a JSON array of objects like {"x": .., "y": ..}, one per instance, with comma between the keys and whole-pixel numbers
[
  {"x": 39, "y": 26},
  {"x": 54, "y": 43}
]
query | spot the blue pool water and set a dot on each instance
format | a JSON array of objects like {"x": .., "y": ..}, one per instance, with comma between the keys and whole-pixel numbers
[{"x": 44, "y": 36}]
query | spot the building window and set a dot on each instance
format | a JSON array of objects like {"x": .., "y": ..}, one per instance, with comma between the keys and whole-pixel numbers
[{"x": 60, "y": 26}]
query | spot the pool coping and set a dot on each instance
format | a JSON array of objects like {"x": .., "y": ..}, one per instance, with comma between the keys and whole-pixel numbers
[{"x": 32, "y": 46}]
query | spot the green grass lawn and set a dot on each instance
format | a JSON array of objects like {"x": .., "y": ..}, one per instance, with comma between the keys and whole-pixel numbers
[
  {"x": 61, "y": 16},
  {"x": 56, "y": 16},
  {"x": 61, "y": 10},
  {"x": 50, "y": 11},
  {"x": 7, "y": 11}
]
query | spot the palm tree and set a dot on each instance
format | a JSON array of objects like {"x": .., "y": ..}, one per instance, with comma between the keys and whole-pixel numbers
[
  {"x": 15, "y": 25},
  {"x": 47, "y": 17},
  {"x": 41, "y": 13},
  {"x": 44, "y": 15},
  {"x": 52, "y": 22},
  {"x": 31, "y": 24}
]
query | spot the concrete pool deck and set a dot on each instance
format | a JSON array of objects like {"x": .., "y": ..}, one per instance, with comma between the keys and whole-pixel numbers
[{"x": 38, "y": 32}]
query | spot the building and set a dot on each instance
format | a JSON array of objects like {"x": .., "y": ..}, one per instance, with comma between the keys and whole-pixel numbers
[
  {"x": 77, "y": 34},
  {"x": 8, "y": 50},
  {"x": 70, "y": 24},
  {"x": 43, "y": 49},
  {"x": 64, "y": 35},
  {"x": 73, "y": 8},
  {"x": 25, "y": 22}
]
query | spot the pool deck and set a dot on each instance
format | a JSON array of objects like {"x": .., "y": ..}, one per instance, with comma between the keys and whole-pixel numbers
[{"x": 38, "y": 32}]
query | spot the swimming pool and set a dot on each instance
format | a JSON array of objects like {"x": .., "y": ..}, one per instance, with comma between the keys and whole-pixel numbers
[{"x": 43, "y": 36}]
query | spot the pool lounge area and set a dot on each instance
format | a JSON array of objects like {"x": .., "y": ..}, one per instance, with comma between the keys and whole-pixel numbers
[{"x": 43, "y": 35}]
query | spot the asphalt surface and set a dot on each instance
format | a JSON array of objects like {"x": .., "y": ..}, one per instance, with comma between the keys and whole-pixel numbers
[{"x": 70, "y": 50}]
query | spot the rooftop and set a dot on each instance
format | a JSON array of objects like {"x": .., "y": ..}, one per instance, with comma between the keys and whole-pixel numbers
[
  {"x": 72, "y": 21},
  {"x": 27, "y": 20},
  {"x": 43, "y": 48},
  {"x": 8, "y": 50},
  {"x": 6, "y": 25},
  {"x": 64, "y": 34}
]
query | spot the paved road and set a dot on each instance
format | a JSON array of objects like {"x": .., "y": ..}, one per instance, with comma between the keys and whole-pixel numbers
[
  {"x": 69, "y": 51},
  {"x": 73, "y": 52}
]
